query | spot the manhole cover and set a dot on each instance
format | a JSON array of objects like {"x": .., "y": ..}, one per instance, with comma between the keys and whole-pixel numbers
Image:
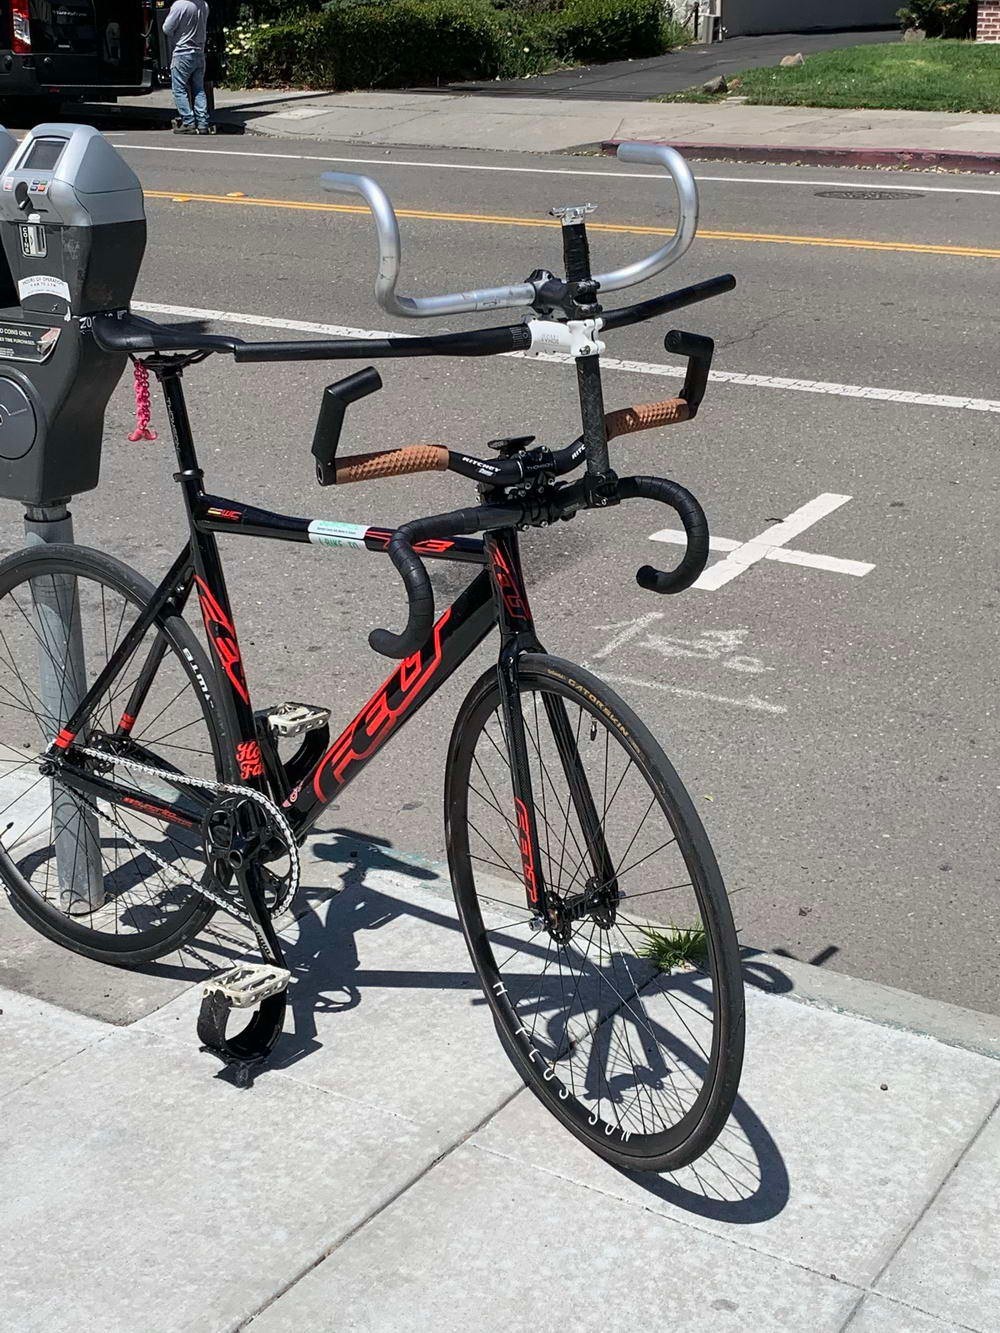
[{"x": 868, "y": 194}]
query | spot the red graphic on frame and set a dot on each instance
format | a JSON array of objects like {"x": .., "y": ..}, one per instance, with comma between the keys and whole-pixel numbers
[
  {"x": 514, "y": 598},
  {"x": 222, "y": 637},
  {"x": 524, "y": 845},
  {"x": 249, "y": 759},
  {"x": 380, "y": 716}
]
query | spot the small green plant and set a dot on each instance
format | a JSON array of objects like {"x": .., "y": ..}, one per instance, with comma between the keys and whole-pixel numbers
[{"x": 674, "y": 946}]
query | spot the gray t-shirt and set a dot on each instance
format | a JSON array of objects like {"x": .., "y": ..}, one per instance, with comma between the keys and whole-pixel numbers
[{"x": 185, "y": 26}]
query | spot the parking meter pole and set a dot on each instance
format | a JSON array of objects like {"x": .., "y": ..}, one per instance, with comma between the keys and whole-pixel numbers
[{"x": 63, "y": 683}]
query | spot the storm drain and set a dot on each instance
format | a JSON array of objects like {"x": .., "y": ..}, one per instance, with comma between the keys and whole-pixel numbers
[{"x": 868, "y": 194}]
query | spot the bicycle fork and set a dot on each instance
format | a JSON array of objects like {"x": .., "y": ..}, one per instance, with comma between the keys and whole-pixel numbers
[{"x": 599, "y": 892}]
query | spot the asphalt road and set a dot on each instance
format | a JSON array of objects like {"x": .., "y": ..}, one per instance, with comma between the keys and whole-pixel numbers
[{"x": 836, "y": 729}]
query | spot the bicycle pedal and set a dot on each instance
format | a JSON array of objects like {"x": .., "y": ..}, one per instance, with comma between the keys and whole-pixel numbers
[
  {"x": 246, "y": 984},
  {"x": 293, "y": 719}
]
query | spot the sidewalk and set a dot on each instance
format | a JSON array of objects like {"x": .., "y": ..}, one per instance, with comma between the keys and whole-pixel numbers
[
  {"x": 729, "y": 130},
  {"x": 725, "y": 130},
  {"x": 392, "y": 1175}
]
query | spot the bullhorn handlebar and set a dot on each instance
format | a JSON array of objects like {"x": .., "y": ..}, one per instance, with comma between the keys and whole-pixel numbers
[{"x": 519, "y": 294}]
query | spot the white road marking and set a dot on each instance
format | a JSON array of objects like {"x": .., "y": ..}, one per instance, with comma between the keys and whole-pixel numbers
[
  {"x": 832, "y": 563},
  {"x": 627, "y": 631},
  {"x": 710, "y": 645},
  {"x": 386, "y": 161},
  {"x": 750, "y": 701},
  {"x": 770, "y": 544},
  {"x": 902, "y": 396}
]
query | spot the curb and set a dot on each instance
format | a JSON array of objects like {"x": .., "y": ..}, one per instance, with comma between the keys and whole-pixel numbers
[
  {"x": 886, "y": 1006},
  {"x": 775, "y": 974},
  {"x": 921, "y": 159}
]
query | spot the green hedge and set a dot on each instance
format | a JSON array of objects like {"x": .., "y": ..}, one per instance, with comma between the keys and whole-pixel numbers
[
  {"x": 598, "y": 30},
  {"x": 394, "y": 43}
]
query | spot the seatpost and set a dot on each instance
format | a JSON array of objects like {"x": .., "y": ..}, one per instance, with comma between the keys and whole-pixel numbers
[{"x": 576, "y": 256}]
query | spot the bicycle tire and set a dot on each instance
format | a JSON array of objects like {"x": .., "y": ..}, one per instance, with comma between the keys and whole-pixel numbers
[
  {"x": 23, "y": 573},
  {"x": 546, "y": 1068}
]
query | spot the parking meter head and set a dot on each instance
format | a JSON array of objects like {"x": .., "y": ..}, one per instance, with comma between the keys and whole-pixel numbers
[
  {"x": 73, "y": 231},
  {"x": 88, "y": 202}
]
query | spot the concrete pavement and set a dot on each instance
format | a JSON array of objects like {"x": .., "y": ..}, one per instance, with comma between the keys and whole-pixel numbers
[
  {"x": 723, "y": 130},
  {"x": 391, "y": 1174},
  {"x": 515, "y": 120}
]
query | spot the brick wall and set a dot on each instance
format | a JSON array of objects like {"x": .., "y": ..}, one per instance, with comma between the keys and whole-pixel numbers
[{"x": 988, "y": 21}]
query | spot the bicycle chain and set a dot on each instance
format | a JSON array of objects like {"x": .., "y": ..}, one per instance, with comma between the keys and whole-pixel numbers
[{"x": 292, "y": 879}]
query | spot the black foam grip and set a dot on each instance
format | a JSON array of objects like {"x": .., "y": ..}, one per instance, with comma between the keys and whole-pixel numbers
[
  {"x": 663, "y": 305},
  {"x": 695, "y": 524}
]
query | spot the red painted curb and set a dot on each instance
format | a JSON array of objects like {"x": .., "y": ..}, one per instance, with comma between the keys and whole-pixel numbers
[{"x": 828, "y": 157}]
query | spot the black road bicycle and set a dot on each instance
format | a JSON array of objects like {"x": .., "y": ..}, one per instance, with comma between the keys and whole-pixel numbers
[{"x": 145, "y": 791}]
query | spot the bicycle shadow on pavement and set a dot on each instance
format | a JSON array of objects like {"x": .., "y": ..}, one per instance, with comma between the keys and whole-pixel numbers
[
  {"x": 741, "y": 1179},
  {"x": 324, "y": 955}
]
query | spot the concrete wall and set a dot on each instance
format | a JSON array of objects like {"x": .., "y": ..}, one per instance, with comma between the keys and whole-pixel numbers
[{"x": 758, "y": 16}]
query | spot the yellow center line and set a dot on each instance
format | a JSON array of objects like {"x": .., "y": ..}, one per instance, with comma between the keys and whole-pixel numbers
[{"x": 615, "y": 228}]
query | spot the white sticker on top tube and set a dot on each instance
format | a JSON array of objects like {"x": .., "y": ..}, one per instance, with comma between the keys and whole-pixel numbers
[{"x": 325, "y": 532}]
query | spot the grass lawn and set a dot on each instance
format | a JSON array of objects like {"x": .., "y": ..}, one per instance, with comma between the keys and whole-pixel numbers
[{"x": 911, "y": 76}]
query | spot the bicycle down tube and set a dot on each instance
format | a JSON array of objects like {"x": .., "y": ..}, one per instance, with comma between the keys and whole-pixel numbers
[{"x": 457, "y": 632}]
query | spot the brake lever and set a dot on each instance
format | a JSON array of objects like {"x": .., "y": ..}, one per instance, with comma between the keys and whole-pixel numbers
[{"x": 699, "y": 351}]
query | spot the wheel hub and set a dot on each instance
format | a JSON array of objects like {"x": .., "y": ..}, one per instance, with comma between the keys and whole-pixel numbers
[{"x": 597, "y": 900}]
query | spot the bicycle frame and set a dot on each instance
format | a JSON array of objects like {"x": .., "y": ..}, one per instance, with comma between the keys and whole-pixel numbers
[{"x": 309, "y": 782}]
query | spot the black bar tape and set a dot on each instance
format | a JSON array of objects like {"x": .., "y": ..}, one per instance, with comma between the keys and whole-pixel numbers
[
  {"x": 419, "y": 596},
  {"x": 663, "y": 305},
  {"x": 695, "y": 524},
  {"x": 419, "y": 593}
]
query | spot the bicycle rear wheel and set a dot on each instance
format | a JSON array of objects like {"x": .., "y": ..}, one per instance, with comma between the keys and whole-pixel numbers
[
  {"x": 113, "y": 882},
  {"x": 627, "y": 1021}
]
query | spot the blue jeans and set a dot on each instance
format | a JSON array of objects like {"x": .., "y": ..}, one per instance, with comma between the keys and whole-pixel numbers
[{"x": 187, "y": 82}]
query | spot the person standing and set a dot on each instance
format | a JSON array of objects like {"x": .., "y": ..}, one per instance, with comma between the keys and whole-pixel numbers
[{"x": 186, "y": 29}]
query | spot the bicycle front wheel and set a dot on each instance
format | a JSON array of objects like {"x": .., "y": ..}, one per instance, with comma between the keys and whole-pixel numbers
[{"x": 627, "y": 1018}]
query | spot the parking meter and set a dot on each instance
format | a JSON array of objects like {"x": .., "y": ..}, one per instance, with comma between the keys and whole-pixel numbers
[
  {"x": 73, "y": 231},
  {"x": 73, "y": 228}
]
